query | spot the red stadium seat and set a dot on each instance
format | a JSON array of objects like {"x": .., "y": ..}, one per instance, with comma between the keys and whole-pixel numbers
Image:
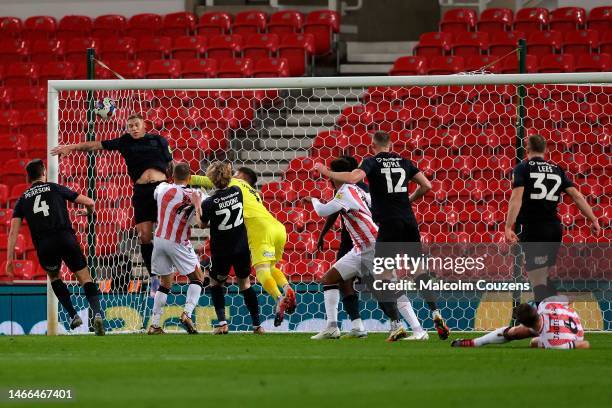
[
  {"x": 249, "y": 22},
  {"x": 109, "y": 24},
  {"x": 280, "y": 191},
  {"x": 163, "y": 69},
  {"x": 10, "y": 27},
  {"x": 458, "y": 20},
  {"x": 567, "y": 18},
  {"x": 510, "y": 64},
  {"x": 235, "y": 68},
  {"x": 445, "y": 65},
  {"x": 144, "y": 25},
  {"x": 215, "y": 22},
  {"x": 225, "y": 46},
  {"x": 301, "y": 168},
  {"x": 189, "y": 47},
  {"x": 285, "y": 22},
  {"x": 76, "y": 48},
  {"x": 580, "y": 42},
  {"x": 74, "y": 26},
  {"x": 34, "y": 97},
  {"x": 118, "y": 48},
  {"x": 605, "y": 43},
  {"x": 12, "y": 147},
  {"x": 130, "y": 69},
  {"x": 37, "y": 146},
  {"x": 433, "y": 44},
  {"x": 469, "y": 44},
  {"x": 544, "y": 42},
  {"x": 260, "y": 46},
  {"x": 4, "y": 195},
  {"x": 502, "y": 43},
  {"x": 556, "y": 63},
  {"x": 495, "y": 20},
  {"x": 10, "y": 120},
  {"x": 23, "y": 270},
  {"x": 34, "y": 121},
  {"x": 531, "y": 19},
  {"x": 13, "y": 171},
  {"x": 153, "y": 48},
  {"x": 271, "y": 67},
  {"x": 328, "y": 144},
  {"x": 322, "y": 24},
  {"x": 47, "y": 50},
  {"x": 479, "y": 62},
  {"x": 409, "y": 66},
  {"x": 593, "y": 63},
  {"x": 16, "y": 192},
  {"x": 354, "y": 119},
  {"x": 39, "y": 27},
  {"x": 297, "y": 49},
  {"x": 55, "y": 70},
  {"x": 5, "y": 220},
  {"x": 177, "y": 24},
  {"x": 21, "y": 74},
  {"x": 600, "y": 18},
  {"x": 199, "y": 68},
  {"x": 13, "y": 50}
]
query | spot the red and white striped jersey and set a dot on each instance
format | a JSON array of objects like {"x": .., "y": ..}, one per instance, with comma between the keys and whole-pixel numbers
[
  {"x": 354, "y": 206},
  {"x": 561, "y": 326},
  {"x": 175, "y": 213}
]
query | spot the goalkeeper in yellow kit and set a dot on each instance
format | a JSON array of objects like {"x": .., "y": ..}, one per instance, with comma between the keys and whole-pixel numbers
[{"x": 267, "y": 237}]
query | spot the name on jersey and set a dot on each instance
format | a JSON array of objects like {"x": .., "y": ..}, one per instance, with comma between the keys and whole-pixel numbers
[
  {"x": 227, "y": 201},
  {"x": 389, "y": 161},
  {"x": 543, "y": 167},
  {"x": 36, "y": 190}
]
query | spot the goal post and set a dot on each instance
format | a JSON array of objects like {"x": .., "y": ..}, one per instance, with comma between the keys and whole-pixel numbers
[{"x": 460, "y": 130}]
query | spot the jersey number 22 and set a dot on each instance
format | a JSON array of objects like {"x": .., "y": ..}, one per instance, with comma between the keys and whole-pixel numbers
[{"x": 227, "y": 214}]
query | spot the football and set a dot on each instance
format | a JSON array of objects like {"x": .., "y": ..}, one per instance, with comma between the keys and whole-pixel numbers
[{"x": 105, "y": 108}]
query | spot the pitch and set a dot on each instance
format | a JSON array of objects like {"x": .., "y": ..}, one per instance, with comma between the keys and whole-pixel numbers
[{"x": 292, "y": 370}]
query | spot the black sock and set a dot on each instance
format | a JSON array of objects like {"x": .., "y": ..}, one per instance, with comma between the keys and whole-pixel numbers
[
  {"x": 351, "y": 306},
  {"x": 63, "y": 295},
  {"x": 250, "y": 300},
  {"x": 91, "y": 293},
  {"x": 146, "y": 250},
  {"x": 218, "y": 299},
  {"x": 428, "y": 296},
  {"x": 390, "y": 310}
]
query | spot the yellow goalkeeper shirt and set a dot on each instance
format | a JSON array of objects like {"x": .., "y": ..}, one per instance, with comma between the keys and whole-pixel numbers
[{"x": 252, "y": 202}]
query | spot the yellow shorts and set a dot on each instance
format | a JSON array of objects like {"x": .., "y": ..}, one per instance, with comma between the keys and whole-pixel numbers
[{"x": 267, "y": 239}]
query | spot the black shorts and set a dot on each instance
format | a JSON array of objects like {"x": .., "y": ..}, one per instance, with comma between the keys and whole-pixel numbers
[
  {"x": 540, "y": 243},
  {"x": 145, "y": 206},
  {"x": 62, "y": 246},
  {"x": 221, "y": 266},
  {"x": 398, "y": 231}
]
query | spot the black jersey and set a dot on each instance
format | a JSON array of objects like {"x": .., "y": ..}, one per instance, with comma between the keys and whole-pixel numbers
[
  {"x": 148, "y": 152},
  {"x": 543, "y": 182},
  {"x": 388, "y": 176},
  {"x": 223, "y": 210},
  {"x": 43, "y": 205}
]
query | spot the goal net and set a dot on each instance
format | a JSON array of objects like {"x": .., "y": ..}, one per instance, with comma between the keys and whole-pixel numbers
[{"x": 465, "y": 132}]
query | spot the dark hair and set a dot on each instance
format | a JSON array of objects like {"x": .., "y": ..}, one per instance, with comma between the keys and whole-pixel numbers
[
  {"x": 526, "y": 315},
  {"x": 250, "y": 173},
  {"x": 181, "y": 171},
  {"x": 352, "y": 161},
  {"x": 340, "y": 165},
  {"x": 35, "y": 169},
  {"x": 536, "y": 143},
  {"x": 381, "y": 138}
]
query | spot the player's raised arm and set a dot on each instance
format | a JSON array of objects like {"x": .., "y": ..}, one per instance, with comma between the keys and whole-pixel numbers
[
  {"x": 424, "y": 185},
  {"x": 200, "y": 181},
  {"x": 584, "y": 208},
  {"x": 10, "y": 250},
  {"x": 352, "y": 177},
  {"x": 76, "y": 147},
  {"x": 86, "y": 202}
]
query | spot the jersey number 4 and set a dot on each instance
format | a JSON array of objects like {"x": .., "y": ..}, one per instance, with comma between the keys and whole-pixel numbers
[
  {"x": 227, "y": 214},
  {"x": 400, "y": 186},
  {"x": 544, "y": 192},
  {"x": 41, "y": 206}
]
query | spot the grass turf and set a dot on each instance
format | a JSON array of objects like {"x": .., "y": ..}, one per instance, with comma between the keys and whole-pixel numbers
[{"x": 279, "y": 370}]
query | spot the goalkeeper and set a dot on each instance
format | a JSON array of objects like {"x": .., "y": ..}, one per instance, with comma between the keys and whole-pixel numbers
[{"x": 266, "y": 236}]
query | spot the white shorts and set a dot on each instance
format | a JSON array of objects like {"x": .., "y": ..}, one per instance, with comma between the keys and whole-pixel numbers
[
  {"x": 355, "y": 263},
  {"x": 168, "y": 254}
]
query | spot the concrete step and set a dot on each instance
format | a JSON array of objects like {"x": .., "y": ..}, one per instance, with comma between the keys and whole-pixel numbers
[
  {"x": 269, "y": 169},
  {"x": 290, "y": 131},
  {"x": 320, "y": 107},
  {"x": 365, "y": 69},
  {"x": 317, "y": 119},
  {"x": 380, "y": 47},
  {"x": 375, "y": 58},
  {"x": 271, "y": 155},
  {"x": 269, "y": 143}
]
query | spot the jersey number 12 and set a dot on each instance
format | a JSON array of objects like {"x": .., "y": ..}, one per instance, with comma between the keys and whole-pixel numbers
[
  {"x": 41, "y": 206},
  {"x": 399, "y": 187}
]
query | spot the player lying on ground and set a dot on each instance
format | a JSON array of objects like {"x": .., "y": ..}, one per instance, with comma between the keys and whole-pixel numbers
[
  {"x": 229, "y": 245},
  {"x": 267, "y": 237},
  {"x": 172, "y": 247},
  {"x": 43, "y": 205},
  {"x": 147, "y": 157},
  {"x": 388, "y": 176},
  {"x": 554, "y": 324},
  {"x": 536, "y": 190},
  {"x": 350, "y": 299}
]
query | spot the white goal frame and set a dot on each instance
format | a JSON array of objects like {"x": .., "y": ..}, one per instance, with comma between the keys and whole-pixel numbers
[{"x": 54, "y": 86}]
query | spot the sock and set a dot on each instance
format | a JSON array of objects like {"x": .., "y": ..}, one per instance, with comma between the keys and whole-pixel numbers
[
  {"x": 331, "y": 295},
  {"x": 264, "y": 276},
  {"x": 351, "y": 306},
  {"x": 193, "y": 296},
  {"x": 218, "y": 298},
  {"x": 279, "y": 277},
  {"x": 495, "y": 337},
  {"x": 146, "y": 250},
  {"x": 404, "y": 306},
  {"x": 91, "y": 293},
  {"x": 428, "y": 295},
  {"x": 357, "y": 325},
  {"x": 250, "y": 300},
  {"x": 63, "y": 295},
  {"x": 159, "y": 301},
  {"x": 390, "y": 310}
]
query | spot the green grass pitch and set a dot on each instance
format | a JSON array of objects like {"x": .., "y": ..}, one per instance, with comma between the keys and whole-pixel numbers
[{"x": 279, "y": 370}]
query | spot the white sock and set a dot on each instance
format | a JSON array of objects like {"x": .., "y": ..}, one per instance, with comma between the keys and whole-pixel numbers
[
  {"x": 405, "y": 308},
  {"x": 158, "y": 305},
  {"x": 357, "y": 325},
  {"x": 332, "y": 299},
  {"x": 495, "y": 337},
  {"x": 193, "y": 296},
  {"x": 435, "y": 313}
]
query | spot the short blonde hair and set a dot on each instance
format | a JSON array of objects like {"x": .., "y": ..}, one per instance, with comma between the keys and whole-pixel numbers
[
  {"x": 135, "y": 116},
  {"x": 220, "y": 174}
]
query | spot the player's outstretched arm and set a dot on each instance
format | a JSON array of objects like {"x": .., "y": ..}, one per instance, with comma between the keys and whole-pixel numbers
[
  {"x": 584, "y": 208},
  {"x": 200, "y": 181},
  {"x": 516, "y": 200},
  {"x": 327, "y": 209},
  {"x": 86, "y": 202},
  {"x": 352, "y": 177},
  {"x": 329, "y": 223},
  {"x": 424, "y": 185},
  {"x": 76, "y": 147},
  {"x": 10, "y": 250}
]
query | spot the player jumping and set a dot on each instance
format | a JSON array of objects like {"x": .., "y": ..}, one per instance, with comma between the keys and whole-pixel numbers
[
  {"x": 229, "y": 246},
  {"x": 43, "y": 205},
  {"x": 173, "y": 248},
  {"x": 388, "y": 175},
  {"x": 267, "y": 237}
]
